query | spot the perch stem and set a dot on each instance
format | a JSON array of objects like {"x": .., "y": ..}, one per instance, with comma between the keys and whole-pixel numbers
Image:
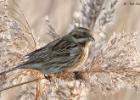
[{"x": 18, "y": 85}]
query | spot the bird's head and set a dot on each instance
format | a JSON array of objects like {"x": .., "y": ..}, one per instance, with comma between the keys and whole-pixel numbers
[{"x": 80, "y": 36}]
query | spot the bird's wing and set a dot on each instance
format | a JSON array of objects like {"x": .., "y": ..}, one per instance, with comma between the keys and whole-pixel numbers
[
  {"x": 38, "y": 55},
  {"x": 57, "y": 53}
]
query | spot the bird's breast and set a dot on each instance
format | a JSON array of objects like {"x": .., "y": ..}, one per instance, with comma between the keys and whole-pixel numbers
[{"x": 83, "y": 55}]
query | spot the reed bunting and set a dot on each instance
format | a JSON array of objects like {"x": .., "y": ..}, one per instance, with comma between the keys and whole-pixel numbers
[{"x": 67, "y": 53}]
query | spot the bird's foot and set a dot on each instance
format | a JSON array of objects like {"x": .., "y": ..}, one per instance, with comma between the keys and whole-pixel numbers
[
  {"x": 48, "y": 77},
  {"x": 78, "y": 75}
]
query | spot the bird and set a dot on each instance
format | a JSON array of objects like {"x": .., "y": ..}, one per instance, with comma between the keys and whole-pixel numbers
[{"x": 66, "y": 53}]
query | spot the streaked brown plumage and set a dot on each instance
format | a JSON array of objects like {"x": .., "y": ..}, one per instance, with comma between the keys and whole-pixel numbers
[{"x": 66, "y": 53}]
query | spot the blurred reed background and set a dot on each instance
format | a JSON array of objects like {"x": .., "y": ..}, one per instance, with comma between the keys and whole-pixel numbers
[{"x": 60, "y": 13}]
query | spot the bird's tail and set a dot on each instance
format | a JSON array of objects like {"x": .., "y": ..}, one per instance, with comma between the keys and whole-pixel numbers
[{"x": 9, "y": 70}]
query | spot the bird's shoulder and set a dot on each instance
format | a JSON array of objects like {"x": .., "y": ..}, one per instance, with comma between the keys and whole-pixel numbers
[
  {"x": 43, "y": 49},
  {"x": 53, "y": 48}
]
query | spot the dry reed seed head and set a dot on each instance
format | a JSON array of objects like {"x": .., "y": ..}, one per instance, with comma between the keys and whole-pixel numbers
[
  {"x": 14, "y": 43},
  {"x": 87, "y": 14},
  {"x": 52, "y": 31},
  {"x": 116, "y": 62},
  {"x": 121, "y": 50}
]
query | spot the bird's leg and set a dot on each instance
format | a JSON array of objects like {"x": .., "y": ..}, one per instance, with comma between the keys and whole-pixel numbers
[
  {"x": 48, "y": 77},
  {"x": 77, "y": 75}
]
